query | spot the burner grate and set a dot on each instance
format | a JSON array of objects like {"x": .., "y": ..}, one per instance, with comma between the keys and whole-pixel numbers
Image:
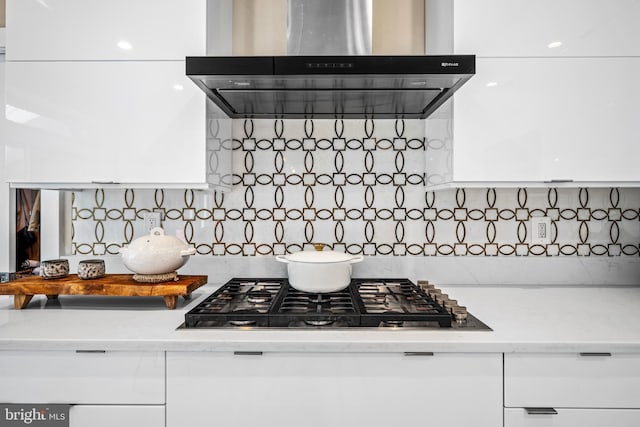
[
  {"x": 274, "y": 303},
  {"x": 294, "y": 307},
  {"x": 240, "y": 302},
  {"x": 386, "y": 302}
]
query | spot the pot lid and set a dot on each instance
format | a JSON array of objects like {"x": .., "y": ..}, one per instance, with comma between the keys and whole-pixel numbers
[
  {"x": 319, "y": 257},
  {"x": 157, "y": 240}
]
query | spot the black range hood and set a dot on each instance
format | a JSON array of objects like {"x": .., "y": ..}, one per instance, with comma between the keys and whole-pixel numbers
[{"x": 349, "y": 87}]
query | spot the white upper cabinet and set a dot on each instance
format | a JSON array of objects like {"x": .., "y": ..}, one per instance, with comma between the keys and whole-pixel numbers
[
  {"x": 107, "y": 122},
  {"x": 547, "y": 27},
  {"x": 54, "y": 30},
  {"x": 549, "y": 119},
  {"x": 96, "y": 95},
  {"x": 554, "y": 100}
]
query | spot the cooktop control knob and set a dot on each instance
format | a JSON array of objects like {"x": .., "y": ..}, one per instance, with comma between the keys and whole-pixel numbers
[
  {"x": 449, "y": 304},
  {"x": 425, "y": 286},
  {"x": 441, "y": 298},
  {"x": 460, "y": 314}
]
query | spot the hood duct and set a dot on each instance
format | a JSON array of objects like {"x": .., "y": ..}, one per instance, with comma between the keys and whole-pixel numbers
[
  {"x": 329, "y": 72},
  {"x": 329, "y": 27}
]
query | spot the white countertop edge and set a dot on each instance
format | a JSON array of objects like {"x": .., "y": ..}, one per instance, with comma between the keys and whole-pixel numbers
[{"x": 318, "y": 346}]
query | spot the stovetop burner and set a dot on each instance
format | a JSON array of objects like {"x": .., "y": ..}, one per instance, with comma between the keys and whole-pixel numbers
[
  {"x": 390, "y": 303},
  {"x": 258, "y": 297}
]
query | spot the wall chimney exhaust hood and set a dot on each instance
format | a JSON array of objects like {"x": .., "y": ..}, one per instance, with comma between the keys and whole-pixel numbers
[
  {"x": 350, "y": 87},
  {"x": 329, "y": 71}
]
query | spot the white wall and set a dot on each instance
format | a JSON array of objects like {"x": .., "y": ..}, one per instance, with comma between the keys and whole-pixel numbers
[{"x": 7, "y": 202}]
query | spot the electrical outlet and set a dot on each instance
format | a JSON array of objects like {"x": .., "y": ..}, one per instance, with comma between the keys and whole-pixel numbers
[
  {"x": 540, "y": 230},
  {"x": 152, "y": 220}
]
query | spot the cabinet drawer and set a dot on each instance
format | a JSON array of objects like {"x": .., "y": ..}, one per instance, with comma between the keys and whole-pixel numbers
[
  {"x": 291, "y": 389},
  {"x": 572, "y": 380},
  {"x": 81, "y": 377},
  {"x": 116, "y": 415},
  {"x": 518, "y": 417}
]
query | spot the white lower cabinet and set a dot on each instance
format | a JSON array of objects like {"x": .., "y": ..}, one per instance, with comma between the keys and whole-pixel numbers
[
  {"x": 116, "y": 415},
  {"x": 572, "y": 380},
  {"x": 567, "y": 390},
  {"x": 333, "y": 389},
  {"x": 92, "y": 378},
  {"x": 519, "y": 417}
]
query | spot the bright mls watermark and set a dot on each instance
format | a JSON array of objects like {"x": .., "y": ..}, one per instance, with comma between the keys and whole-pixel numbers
[{"x": 34, "y": 415}]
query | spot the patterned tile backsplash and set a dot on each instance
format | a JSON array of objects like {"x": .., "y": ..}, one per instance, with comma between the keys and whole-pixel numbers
[{"x": 357, "y": 186}]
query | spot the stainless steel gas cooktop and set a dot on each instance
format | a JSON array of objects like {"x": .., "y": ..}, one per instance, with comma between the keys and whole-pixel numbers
[{"x": 373, "y": 303}]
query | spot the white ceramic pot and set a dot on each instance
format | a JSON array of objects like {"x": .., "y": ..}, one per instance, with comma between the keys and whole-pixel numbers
[
  {"x": 319, "y": 271},
  {"x": 156, "y": 253}
]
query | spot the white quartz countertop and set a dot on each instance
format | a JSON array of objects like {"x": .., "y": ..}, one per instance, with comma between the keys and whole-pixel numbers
[{"x": 523, "y": 319}]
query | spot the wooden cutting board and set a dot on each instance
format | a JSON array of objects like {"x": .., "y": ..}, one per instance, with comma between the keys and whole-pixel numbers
[{"x": 112, "y": 284}]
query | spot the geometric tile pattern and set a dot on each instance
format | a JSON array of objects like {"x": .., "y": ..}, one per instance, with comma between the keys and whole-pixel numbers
[{"x": 358, "y": 186}]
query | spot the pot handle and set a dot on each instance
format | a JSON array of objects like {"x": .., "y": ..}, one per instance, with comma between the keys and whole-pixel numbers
[
  {"x": 355, "y": 259},
  {"x": 282, "y": 258},
  {"x": 157, "y": 231},
  {"x": 190, "y": 251}
]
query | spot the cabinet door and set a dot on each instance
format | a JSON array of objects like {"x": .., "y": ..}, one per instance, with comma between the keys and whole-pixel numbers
[
  {"x": 116, "y": 415},
  {"x": 519, "y": 417},
  {"x": 542, "y": 119},
  {"x": 277, "y": 389},
  {"x": 123, "y": 122},
  {"x": 54, "y": 30},
  {"x": 517, "y": 28}
]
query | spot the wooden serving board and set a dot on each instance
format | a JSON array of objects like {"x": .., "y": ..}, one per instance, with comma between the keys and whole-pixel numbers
[{"x": 112, "y": 284}]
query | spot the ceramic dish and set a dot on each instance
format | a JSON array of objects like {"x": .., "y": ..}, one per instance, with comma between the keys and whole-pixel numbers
[
  {"x": 54, "y": 268},
  {"x": 91, "y": 269}
]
